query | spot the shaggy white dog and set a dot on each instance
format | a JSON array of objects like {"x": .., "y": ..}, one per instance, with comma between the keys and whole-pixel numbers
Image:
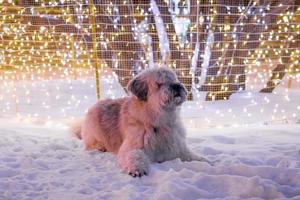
[{"x": 142, "y": 128}]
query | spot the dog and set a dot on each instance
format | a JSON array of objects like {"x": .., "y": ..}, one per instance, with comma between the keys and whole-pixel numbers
[{"x": 142, "y": 128}]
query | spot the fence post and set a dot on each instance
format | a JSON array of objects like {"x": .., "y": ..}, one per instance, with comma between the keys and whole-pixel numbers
[{"x": 94, "y": 39}]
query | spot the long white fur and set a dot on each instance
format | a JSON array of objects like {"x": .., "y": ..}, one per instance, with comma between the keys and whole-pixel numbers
[{"x": 140, "y": 129}]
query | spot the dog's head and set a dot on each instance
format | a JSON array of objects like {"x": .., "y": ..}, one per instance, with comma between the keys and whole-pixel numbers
[{"x": 158, "y": 86}]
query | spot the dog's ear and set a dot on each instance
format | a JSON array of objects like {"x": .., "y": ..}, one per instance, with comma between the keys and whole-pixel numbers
[{"x": 139, "y": 88}]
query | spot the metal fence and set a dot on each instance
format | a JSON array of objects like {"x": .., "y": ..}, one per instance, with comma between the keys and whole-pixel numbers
[{"x": 215, "y": 46}]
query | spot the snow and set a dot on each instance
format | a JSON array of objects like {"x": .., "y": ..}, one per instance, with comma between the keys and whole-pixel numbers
[
  {"x": 42, "y": 161},
  {"x": 256, "y": 154}
]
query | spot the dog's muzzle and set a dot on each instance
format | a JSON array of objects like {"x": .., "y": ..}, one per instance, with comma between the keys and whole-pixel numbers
[{"x": 179, "y": 93}]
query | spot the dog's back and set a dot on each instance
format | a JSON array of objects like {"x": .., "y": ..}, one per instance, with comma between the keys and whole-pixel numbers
[{"x": 101, "y": 126}]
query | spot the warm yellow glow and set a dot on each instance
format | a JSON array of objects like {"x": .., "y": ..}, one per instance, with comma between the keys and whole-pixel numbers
[{"x": 31, "y": 52}]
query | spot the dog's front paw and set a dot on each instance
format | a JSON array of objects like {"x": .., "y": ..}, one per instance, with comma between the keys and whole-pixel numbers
[
  {"x": 138, "y": 169},
  {"x": 138, "y": 173},
  {"x": 193, "y": 157},
  {"x": 134, "y": 163},
  {"x": 202, "y": 159}
]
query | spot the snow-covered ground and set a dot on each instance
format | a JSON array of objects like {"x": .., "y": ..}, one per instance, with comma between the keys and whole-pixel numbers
[
  {"x": 44, "y": 162},
  {"x": 253, "y": 138}
]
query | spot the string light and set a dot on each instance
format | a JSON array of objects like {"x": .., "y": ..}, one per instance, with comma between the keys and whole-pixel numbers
[{"x": 39, "y": 62}]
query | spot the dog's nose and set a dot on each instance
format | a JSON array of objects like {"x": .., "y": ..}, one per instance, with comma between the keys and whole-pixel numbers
[{"x": 177, "y": 87}]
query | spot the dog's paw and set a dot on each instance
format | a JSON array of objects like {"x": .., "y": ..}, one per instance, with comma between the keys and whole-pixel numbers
[
  {"x": 134, "y": 163},
  {"x": 202, "y": 159},
  {"x": 137, "y": 170},
  {"x": 211, "y": 163},
  {"x": 138, "y": 173},
  {"x": 193, "y": 157}
]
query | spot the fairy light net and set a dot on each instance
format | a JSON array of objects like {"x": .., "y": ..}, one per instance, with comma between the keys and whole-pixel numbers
[{"x": 51, "y": 51}]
